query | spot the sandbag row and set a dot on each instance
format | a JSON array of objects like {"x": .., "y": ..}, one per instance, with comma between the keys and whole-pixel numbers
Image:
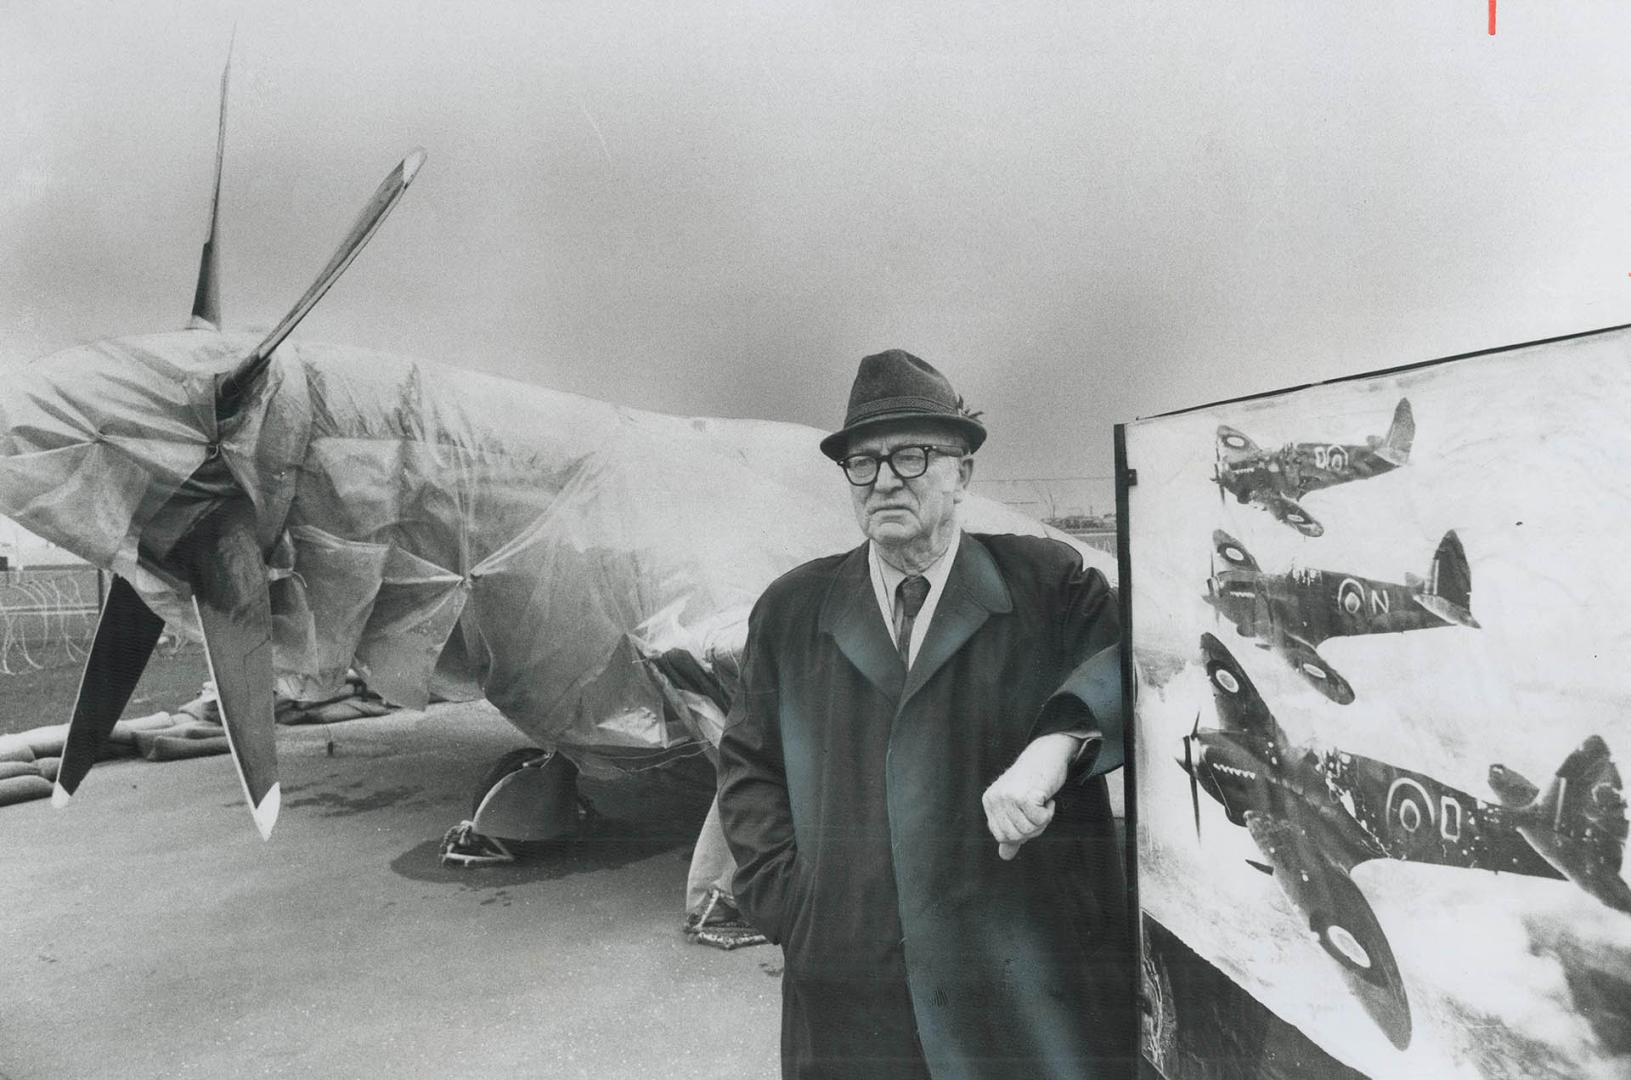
[
  {"x": 29, "y": 759},
  {"x": 354, "y": 700}
]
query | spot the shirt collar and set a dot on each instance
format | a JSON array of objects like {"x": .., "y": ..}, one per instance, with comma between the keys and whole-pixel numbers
[{"x": 886, "y": 579}]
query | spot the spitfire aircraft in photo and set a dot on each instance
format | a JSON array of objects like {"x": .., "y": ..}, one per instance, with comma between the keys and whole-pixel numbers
[
  {"x": 1315, "y": 815},
  {"x": 1293, "y": 613},
  {"x": 309, "y": 509},
  {"x": 1276, "y": 480}
]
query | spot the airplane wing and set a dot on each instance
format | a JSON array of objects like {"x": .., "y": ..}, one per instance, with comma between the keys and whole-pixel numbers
[
  {"x": 1240, "y": 706},
  {"x": 1340, "y": 918},
  {"x": 1312, "y": 667},
  {"x": 1232, "y": 551},
  {"x": 1233, "y": 445},
  {"x": 1288, "y": 510}
]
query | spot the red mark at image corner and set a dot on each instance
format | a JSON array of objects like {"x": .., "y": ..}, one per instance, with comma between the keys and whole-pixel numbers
[{"x": 1491, "y": 18}]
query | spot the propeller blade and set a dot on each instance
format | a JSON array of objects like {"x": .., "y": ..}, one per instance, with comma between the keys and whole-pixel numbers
[
  {"x": 126, "y": 632},
  {"x": 1189, "y": 767},
  {"x": 207, "y": 296},
  {"x": 1212, "y": 590},
  {"x": 234, "y": 609},
  {"x": 368, "y": 222}
]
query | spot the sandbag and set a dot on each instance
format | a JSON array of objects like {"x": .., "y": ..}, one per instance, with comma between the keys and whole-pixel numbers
[
  {"x": 48, "y": 766},
  {"x": 339, "y": 711},
  {"x": 184, "y": 729},
  {"x": 171, "y": 748},
  {"x": 45, "y": 741},
  {"x": 23, "y": 788},
  {"x": 124, "y": 732},
  {"x": 10, "y": 770},
  {"x": 204, "y": 709},
  {"x": 15, "y": 749},
  {"x": 112, "y": 751}
]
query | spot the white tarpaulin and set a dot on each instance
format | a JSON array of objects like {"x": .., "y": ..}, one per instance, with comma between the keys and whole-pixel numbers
[{"x": 439, "y": 528}]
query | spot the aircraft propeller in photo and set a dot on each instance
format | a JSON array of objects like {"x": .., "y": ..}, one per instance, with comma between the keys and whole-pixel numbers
[{"x": 1315, "y": 815}]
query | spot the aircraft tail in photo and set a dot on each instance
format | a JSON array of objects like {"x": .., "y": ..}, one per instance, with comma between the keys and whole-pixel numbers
[
  {"x": 1394, "y": 447},
  {"x": 1579, "y": 824},
  {"x": 1448, "y": 590}
]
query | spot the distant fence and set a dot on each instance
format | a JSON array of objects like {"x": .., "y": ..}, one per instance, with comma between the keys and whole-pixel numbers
[{"x": 47, "y": 616}]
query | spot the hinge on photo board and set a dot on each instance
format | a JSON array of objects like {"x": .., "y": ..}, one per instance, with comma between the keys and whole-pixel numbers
[{"x": 1132, "y": 477}]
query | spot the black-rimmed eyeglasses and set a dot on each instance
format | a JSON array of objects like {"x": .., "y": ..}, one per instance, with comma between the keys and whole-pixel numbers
[{"x": 906, "y": 462}]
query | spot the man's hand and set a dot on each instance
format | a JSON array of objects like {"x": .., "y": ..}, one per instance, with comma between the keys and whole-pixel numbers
[{"x": 1019, "y": 803}]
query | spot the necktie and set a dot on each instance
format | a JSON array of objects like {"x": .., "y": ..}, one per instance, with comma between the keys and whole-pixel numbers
[{"x": 909, "y": 597}]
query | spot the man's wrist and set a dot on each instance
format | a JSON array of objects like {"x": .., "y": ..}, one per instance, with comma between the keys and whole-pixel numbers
[
  {"x": 1052, "y": 756},
  {"x": 1083, "y": 749},
  {"x": 1066, "y": 742}
]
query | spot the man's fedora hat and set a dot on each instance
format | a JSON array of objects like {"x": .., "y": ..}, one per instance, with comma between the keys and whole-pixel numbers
[{"x": 896, "y": 387}]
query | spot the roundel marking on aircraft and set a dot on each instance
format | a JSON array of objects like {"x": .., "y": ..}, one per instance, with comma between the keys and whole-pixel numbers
[
  {"x": 1409, "y": 804},
  {"x": 1348, "y": 945},
  {"x": 1226, "y": 679},
  {"x": 1337, "y": 459},
  {"x": 1233, "y": 553},
  {"x": 1314, "y": 671},
  {"x": 1351, "y": 596},
  {"x": 1234, "y": 441},
  {"x": 1296, "y": 517}
]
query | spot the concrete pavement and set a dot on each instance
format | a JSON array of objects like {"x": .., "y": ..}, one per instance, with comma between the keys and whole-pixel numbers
[{"x": 146, "y": 931}]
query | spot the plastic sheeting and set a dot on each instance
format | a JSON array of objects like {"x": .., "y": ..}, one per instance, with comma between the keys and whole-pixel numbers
[{"x": 433, "y": 527}]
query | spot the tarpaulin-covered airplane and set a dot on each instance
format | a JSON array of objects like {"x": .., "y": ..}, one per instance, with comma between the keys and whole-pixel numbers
[
  {"x": 1315, "y": 815},
  {"x": 1276, "y": 479},
  {"x": 1293, "y": 613},
  {"x": 588, "y": 568}
]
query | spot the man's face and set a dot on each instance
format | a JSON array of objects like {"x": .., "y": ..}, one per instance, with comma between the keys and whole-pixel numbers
[{"x": 903, "y": 514}]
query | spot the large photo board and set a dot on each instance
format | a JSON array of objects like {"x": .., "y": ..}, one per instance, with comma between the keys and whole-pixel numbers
[{"x": 1380, "y": 633}]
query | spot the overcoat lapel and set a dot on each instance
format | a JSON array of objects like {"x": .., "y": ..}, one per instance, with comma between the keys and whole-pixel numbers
[
  {"x": 974, "y": 592},
  {"x": 850, "y": 614}
]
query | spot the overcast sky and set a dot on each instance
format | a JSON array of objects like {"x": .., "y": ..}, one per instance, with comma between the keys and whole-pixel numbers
[{"x": 1082, "y": 212}]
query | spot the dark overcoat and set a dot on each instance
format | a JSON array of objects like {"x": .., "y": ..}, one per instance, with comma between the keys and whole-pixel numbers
[{"x": 850, "y": 795}]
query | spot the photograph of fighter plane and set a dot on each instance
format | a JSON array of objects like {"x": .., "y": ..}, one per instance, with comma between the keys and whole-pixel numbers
[
  {"x": 1293, "y": 613},
  {"x": 1315, "y": 815},
  {"x": 308, "y": 509},
  {"x": 1276, "y": 480}
]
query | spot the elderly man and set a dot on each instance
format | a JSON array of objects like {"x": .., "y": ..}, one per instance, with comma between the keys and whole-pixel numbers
[{"x": 913, "y": 712}]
